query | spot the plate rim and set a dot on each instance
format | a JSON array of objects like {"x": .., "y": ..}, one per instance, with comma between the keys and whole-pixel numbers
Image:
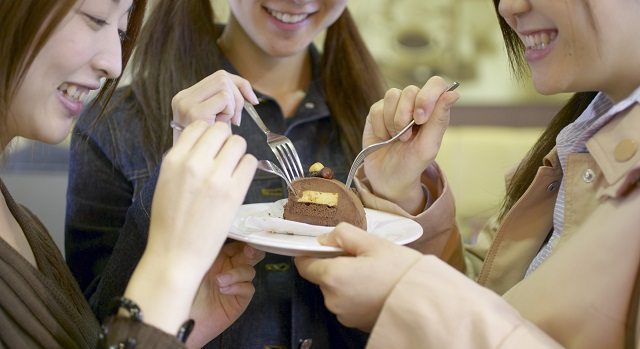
[{"x": 307, "y": 249}]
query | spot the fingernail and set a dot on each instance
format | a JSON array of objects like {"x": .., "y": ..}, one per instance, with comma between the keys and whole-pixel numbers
[
  {"x": 249, "y": 251},
  {"x": 225, "y": 290},
  {"x": 322, "y": 239},
  {"x": 254, "y": 99},
  {"x": 223, "y": 279}
]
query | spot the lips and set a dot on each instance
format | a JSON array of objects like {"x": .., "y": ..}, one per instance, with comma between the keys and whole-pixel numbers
[{"x": 73, "y": 96}]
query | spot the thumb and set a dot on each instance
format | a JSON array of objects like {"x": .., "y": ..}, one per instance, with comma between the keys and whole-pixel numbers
[{"x": 353, "y": 240}]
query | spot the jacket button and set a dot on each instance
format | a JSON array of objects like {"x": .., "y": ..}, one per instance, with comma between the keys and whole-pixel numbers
[
  {"x": 625, "y": 150},
  {"x": 309, "y": 105},
  {"x": 553, "y": 186},
  {"x": 305, "y": 343},
  {"x": 588, "y": 176}
]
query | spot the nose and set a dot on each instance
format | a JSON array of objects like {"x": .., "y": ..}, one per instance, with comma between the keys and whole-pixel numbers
[
  {"x": 108, "y": 58},
  {"x": 510, "y": 9}
]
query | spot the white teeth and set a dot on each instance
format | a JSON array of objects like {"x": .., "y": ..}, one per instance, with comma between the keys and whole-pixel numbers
[
  {"x": 538, "y": 41},
  {"x": 288, "y": 17},
  {"x": 74, "y": 92}
]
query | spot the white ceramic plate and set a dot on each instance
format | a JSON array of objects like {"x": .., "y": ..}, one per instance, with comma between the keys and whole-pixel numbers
[{"x": 395, "y": 228}]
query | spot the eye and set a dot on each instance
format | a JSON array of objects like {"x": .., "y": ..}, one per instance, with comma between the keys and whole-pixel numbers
[
  {"x": 123, "y": 35},
  {"x": 99, "y": 23}
]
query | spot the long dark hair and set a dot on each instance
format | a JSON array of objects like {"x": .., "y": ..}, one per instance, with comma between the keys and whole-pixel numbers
[
  {"x": 26, "y": 25},
  {"x": 527, "y": 169},
  {"x": 176, "y": 51}
]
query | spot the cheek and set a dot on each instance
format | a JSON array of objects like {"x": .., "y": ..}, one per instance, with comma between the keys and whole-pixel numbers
[{"x": 334, "y": 11}]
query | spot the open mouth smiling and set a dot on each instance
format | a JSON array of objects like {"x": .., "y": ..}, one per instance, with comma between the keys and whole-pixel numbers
[{"x": 288, "y": 18}]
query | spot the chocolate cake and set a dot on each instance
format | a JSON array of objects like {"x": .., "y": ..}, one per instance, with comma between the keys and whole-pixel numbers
[{"x": 322, "y": 200}]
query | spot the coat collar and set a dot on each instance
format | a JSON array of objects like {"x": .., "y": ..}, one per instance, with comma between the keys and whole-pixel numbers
[{"x": 616, "y": 150}]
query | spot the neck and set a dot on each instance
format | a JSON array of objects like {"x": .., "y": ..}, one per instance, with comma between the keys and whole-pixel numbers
[{"x": 283, "y": 78}]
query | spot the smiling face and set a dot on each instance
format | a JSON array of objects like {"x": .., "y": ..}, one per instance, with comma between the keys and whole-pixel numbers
[
  {"x": 578, "y": 45},
  {"x": 282, "y": 28},
  {"x": 83, "y": 49}
]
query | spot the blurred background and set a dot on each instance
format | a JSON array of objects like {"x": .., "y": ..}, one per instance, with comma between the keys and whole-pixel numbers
[{"x": 494, "y": 123}]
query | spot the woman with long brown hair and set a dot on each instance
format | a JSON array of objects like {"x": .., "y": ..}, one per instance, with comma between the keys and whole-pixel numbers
[
  {"x": 559, "y": 265},
  {"x": 54, "y": 53},
  {"x": 317, "y": 98}
]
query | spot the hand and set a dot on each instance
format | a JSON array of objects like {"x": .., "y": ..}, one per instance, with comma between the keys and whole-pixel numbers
[
  {"x": 225, "y": 292},
  {"x": 355, "y": 287},
  {"x": 218, "y": 97},
  {"x": 203, "y": 181},
  {"x": 416, "y": 149}
]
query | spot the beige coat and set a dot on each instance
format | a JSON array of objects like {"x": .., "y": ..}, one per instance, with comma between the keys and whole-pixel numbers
[{"x": 580, "y": 297}]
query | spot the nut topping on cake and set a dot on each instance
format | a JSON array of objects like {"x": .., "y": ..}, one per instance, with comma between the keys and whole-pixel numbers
[{"x": 319, "y": 170}]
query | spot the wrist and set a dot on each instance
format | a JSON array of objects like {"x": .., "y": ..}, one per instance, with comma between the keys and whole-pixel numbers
[
  {"x": 413, "y": 199},
  {"x": 164, "y": 291}
]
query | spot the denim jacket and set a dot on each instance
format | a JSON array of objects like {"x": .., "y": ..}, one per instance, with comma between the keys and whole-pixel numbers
[{"x": 112, "y": 219}]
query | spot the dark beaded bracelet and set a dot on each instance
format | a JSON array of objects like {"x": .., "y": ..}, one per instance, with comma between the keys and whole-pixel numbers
[
  {"x": 135, "y": 313},
  {"x": 127, "y": 304},
  {"x": 185, "y": 330}
]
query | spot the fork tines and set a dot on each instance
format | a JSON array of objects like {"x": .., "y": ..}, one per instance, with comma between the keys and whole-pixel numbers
[{"x": 289, "y": 159}]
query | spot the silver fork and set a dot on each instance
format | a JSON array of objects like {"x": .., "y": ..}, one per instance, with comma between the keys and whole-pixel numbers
[
  {"x": 373, "y": 147},
  {"x": 281, "y": 146}
]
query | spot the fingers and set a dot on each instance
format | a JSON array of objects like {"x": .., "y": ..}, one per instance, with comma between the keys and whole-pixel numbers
[
  {"x": 242, "y": 254},
  {"x": 437, "y": 120},
  {"x": 243, "y": 273},
  {"x": 312, "y": 269},
  {"x": 391, "y": 102},
  {"x": 204, "y": 143},
  {"x": 353, "y": 240},
  {"x": 404, "y": 112},
  {"x": 246, "y": 92},
  {"x": 252, "y": 256},
  {"x": 427, "y": 97},
  {"x": 210, "y": 142},
  {"x": 220, "y": 96},
  {"x": 189, "y": 137},
  {"x": 242, "y": 290},
  {"x": 399, "y": 107}
]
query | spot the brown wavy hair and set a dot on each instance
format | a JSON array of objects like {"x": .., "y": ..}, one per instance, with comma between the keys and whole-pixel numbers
[
  {"x": 175, "y": 52},
  {"x": 528, "y": 168},
  {"x": 26, "y": 25}
]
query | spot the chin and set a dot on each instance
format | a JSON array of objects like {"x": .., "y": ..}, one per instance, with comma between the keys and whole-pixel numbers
[
  {"x": 54, "y": 137},
  {"x": 547, "y": 89}
]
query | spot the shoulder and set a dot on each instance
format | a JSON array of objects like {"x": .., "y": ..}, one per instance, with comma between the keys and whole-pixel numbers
[
  {"x": 120, "y": 109},
  {"x": 113, "y": 120},
  {"x": 114, "y": 128}
]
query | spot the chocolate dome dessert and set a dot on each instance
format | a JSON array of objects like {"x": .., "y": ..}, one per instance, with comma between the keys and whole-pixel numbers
[{"x": 321, "y": 200}]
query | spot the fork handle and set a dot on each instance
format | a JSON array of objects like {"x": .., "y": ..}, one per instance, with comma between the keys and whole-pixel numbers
[{"x": 256, "y": 118}]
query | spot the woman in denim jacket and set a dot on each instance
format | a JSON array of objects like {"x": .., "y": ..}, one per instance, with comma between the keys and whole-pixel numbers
[{"x": 319, "y": 101}]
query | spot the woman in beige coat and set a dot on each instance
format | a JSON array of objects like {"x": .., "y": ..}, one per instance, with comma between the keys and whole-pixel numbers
[{"x": 558, "y": 265}]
